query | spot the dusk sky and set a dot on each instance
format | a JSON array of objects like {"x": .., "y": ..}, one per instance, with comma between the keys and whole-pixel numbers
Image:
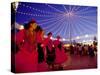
[{"x": 64, "y": 20}]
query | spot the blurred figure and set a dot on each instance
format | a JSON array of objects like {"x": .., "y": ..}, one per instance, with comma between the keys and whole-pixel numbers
[
  {"x": 80, "y": 50},
  {"x": 71, "y": 49},
  {"x": 91, "y": 51},
  {"x": 61, "y": 56},
  {"x": 50, "y": 50},
  {"x": 27, "y": 56},
  {"x": 85, "y": 51},
  {"x": 39, "y": 39}
]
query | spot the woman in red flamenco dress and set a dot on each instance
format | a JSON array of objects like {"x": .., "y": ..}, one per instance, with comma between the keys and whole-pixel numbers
[
  {"x": 49, "y": 51},
  {"x": 61, "y": 56},
  {"x": 26, "y": 59}
]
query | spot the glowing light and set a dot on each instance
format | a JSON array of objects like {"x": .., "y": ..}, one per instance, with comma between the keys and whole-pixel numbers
[
  {"x": 69, "y": 14},
  {"x": 84, "y": 41},
  {"x": 63, "y": 39},
  {"x": 42, "y": 11},
  {"x": 18, "y": 26},
  {"x": 52, "y": 38},
  {"x": 86, "y": 35},
  {"x": 33, "y": 14},
  {"x": 66, "y": 45},
  {"x": 21, "y": 27},
  {"x": 77, "y": 37},
  {"x": 90, "y": 40}
]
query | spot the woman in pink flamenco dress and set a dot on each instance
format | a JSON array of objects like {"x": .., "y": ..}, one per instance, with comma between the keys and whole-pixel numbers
[
  {"x": 61, "y": 56},
  {"x": 26, "y": 59}
]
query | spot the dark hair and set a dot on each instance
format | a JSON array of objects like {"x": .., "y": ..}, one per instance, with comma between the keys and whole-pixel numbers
[
  {"x": 27, "y": 25},
  {"x": 49, "y": 33},
  {"x": 38, "y": 28},
  {"x": 32, "y": 21},
  {"x": 58, "y": 37}
]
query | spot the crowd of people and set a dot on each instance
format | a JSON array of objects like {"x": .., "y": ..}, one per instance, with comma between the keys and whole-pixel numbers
[
  {"x": 82, "y": 49},
  {"x": 30, "y": 48}
]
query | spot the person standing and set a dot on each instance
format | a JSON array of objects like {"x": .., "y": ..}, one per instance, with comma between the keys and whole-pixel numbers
[
  {"x": 50, "y": 51},
  {"x": 39, "y": 39},
  {"x": 27, "y": 57},
  {"x": 61, "y": 56}
]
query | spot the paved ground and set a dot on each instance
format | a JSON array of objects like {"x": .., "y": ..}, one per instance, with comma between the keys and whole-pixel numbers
[
  {"x": 75, "y": 62},
  {"x": 82, "y": 62}
]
